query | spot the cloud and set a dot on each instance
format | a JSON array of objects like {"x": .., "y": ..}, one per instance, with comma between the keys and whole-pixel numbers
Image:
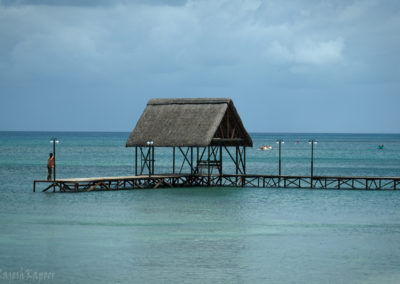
[
  {"x": 193, "y": 40},
  {"x": 307, "y": 52},
  {"x": 89, "y": 3},
  {"x": 89, "y": 48},
  {"x": 128, "y": 37},
  {"x": 191, "y": 37}
]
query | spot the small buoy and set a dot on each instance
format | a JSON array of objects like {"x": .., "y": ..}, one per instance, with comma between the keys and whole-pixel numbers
[{"x": 266, "y": 147}]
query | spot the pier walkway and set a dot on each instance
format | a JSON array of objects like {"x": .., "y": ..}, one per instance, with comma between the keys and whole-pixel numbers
[{"x": 225, "y": 180}]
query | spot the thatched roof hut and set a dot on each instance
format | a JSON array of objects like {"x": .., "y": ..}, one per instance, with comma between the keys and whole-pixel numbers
[{"x": 190, "y": 123}]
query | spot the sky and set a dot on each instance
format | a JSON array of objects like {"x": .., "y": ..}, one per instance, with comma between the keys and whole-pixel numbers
[{"x": 289, "y": 66}]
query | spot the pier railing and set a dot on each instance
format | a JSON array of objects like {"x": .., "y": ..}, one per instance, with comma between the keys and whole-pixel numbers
[{"x": 222, "y": 180}]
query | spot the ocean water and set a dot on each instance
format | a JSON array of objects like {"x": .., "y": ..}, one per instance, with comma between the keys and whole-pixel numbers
[{"x": 198, "y": 235}]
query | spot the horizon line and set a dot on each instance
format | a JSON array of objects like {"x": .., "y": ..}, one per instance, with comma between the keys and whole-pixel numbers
[{"x": 250, "y": 132}]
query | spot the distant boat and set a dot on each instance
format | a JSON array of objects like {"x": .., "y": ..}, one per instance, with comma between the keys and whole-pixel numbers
[
  {"x": 266, "y": 147},
  {"x": 381, "y": 146}
]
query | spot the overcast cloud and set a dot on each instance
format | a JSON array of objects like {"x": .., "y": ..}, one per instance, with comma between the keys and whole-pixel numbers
[{"x": 296, "y": 66}]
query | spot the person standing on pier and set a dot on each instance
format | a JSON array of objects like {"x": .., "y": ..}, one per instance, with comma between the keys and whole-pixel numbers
[{"x": 50, "y": 165}]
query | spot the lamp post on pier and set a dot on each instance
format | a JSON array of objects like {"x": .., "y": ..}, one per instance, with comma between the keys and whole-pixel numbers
[
  {"x": 312, "y": 142},
  {"x": 54, "y": 141},
  {"x": 280, "y": 142}
]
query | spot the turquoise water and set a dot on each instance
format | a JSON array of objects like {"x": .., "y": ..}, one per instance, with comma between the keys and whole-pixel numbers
[{"x": 199, "y": 235}]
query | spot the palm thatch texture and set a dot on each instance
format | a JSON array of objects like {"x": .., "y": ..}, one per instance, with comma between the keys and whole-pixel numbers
[{"x": 189, "y": 123}]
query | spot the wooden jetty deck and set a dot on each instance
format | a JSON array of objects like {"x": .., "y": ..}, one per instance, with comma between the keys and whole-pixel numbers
[{"x": 225, "y": 180}]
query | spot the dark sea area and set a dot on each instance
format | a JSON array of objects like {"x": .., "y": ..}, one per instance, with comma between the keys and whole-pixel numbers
[{"x": 198, "y": 235}]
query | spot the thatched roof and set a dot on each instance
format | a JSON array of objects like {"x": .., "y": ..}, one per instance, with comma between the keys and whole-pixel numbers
[{"x": 190, "y": 122}]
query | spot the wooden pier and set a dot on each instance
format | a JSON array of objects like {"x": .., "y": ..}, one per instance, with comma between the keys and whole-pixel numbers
[
  {"x": 206, "y": 134},
  {"x": 226, "y": 180}
]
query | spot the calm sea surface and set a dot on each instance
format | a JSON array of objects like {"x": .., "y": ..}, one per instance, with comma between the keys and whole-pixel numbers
[{"x": 198, "y": 235}]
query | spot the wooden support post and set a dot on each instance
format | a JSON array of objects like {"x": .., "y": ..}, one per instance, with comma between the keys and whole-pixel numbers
[
  {"x": 208, "y": 166},
  {"x": 148, "y": 157},
  {"x": 236, "y": 164},
  {"x": 197, "y": 159},
  {"x": 173, "y": 160},
  {"x": 244, "y": 159},
  {"x": 136, "y": 161},
  {"x": 152, "y": 159},
  {"x": 236, "y": 160},
  {"x": 141, "y": 160},
  {"x": 220, "y": 165},
  {"x": 191, "y": 160},
  {"x": 34, "y": 186}
]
